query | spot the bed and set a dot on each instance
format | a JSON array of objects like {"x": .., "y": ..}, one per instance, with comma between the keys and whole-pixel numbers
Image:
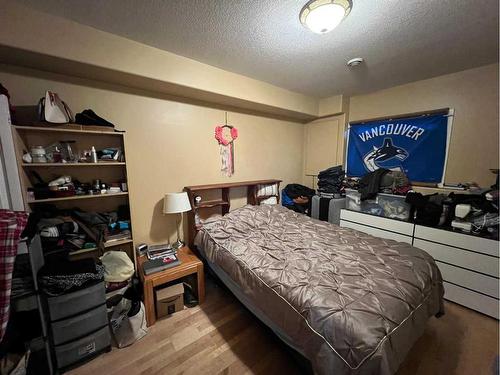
[{"x": 349, "y": 302}]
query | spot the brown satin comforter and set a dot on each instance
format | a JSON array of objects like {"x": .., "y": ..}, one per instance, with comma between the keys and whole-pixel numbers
[{"x": 350, "y": 302}]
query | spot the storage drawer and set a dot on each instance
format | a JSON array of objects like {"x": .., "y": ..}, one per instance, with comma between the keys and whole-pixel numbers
[
  {"x": 73, "y": 303},
  {"x": 463, "y": 241},
  {"x": 76, "y": 351},
  {"x": 378, "y": 222},
  {"x": 79, "y": 325},
  {"x": 469, "y": 279},
  {"x": 385, "y": 205},
  {"x": 376, "y": 232},
  {"x": 462, "y": 258},
  {"x": 472, "y": 300}
]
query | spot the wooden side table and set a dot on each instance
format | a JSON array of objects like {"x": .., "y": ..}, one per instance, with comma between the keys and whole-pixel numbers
[{"x": 190, "y": 264}]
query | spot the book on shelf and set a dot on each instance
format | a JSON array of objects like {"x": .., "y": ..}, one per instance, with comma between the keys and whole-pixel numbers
[{"x": 160, "y": 264}]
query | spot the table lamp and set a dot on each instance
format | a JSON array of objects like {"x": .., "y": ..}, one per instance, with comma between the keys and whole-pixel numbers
[{"x": 176, "y": 203}]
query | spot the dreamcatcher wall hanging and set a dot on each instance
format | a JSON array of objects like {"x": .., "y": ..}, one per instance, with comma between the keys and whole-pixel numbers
[{"x": 225, "y": 135}]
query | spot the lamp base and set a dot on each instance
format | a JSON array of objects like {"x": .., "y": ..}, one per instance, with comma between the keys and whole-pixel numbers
[{"x": 177, "y": 245}]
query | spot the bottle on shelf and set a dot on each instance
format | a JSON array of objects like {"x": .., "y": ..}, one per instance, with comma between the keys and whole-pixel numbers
[{"x": 93, "y": 155}]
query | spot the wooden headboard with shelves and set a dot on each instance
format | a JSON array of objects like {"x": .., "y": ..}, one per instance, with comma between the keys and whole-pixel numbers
[{"x": 223, "y": 202}]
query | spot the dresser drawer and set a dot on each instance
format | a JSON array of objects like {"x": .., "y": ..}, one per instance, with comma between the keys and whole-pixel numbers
[
  {"x": 463, "y": 241},
  {"x": 459, "y": 257},
  {"x": 82, "y": 349},
  {"x": 392, "y": 225},
  {"x": 469, "y": 279},
  {"x": 79, "y": 325},
  {"x": 376, "y": 232},
  {"x": 73, "y": 303},
  {"x": 472, "y": 300}
]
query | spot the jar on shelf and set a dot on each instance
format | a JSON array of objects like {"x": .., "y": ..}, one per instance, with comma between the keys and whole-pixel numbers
[{"x": 38, "y": 154}]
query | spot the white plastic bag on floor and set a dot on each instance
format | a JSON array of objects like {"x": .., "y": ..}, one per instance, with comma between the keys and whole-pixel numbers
[{"x": 128, "y": 329}]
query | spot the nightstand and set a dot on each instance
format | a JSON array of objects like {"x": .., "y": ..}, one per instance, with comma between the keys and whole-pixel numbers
[{"x": 190, "y": 264}]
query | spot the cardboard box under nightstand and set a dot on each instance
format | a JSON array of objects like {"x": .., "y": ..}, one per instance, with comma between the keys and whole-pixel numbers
[{"x": 169, "y": 300}]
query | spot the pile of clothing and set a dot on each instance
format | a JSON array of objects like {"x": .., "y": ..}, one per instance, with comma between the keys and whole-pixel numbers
[
  {"x": 22, "y": 278},
  {"x": 383, "y": 181},
  {"x": 366, "y": 198},
  {"x": 297, "y": 198},
  {"x": 429, "y": 210},
  {"x": 439, "y": 210},
  {"x": 64, "y": 231},
  {"x": 351, "y": 183},
  {"x": 60, "y": 276},
  {"x": 330, "y": 182}
]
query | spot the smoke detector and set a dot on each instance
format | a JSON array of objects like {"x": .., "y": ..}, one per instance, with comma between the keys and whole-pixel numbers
[{"x": 355, "y": 62}]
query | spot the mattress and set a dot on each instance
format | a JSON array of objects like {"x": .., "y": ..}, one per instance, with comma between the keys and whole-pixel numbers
[{"x": 350, "y": 302}]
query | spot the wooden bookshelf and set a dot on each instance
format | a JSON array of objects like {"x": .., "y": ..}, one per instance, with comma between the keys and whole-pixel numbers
[{"x": 82, "y": 138}]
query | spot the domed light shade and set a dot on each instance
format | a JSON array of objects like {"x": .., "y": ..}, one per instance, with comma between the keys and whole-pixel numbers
[{"x": 322, "y": 16}]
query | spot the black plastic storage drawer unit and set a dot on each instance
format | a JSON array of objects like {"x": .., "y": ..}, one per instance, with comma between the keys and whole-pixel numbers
[
  {"x": 80, "y": 325},
  {"x": 69, "y": 304},
  {"x": 82, "y": 349}
]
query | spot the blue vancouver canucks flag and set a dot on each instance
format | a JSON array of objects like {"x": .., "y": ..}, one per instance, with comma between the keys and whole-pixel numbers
[{"x": 416, "y": 146}]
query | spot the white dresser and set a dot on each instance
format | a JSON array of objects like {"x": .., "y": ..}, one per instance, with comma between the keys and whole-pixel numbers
[
  {"x": 377, "y": 226},
  {"x": 469, "y": 264}
]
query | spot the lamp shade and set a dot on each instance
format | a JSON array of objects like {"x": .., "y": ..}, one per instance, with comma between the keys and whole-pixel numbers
[{"x": 174, "y": 203}]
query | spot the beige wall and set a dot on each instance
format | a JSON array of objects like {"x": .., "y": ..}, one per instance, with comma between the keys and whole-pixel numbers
[
  {"x": 170, "y": 145},
  {"x": 323, "y": 146},
  {"x": 46, "y": 42},
  {"x": 474, "y": 96}
]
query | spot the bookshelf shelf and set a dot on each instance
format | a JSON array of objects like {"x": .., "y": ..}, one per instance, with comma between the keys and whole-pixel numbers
[
  {"x": 69, "y": 128},
  {"x": 71, "y": 165},
  {"x": 107, "y": 245},
  {"x": 78, "y": 197}
]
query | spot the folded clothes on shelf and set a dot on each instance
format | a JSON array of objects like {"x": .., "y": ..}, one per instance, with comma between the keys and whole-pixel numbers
[{"x": 330, "y": 181}]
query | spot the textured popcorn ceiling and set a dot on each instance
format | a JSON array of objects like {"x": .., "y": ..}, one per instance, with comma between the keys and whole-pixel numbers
[{"x": 401, "y": 40}]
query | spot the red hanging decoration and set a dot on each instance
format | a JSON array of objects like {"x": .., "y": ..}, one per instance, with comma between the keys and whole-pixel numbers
[{"x": 226, "y": 148}]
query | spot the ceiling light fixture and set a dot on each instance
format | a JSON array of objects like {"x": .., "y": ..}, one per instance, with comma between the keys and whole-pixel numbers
[{"x": 322, "y": 16}]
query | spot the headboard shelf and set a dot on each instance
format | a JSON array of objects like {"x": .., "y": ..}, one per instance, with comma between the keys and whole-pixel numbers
[
  {"x": 230, "y": 185},
  {"x": 211, "y": 203},
  {"x": 224, "y": 202}
]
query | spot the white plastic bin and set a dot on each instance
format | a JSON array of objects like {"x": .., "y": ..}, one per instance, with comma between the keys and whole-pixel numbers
[{"x": 385, "y": 205}]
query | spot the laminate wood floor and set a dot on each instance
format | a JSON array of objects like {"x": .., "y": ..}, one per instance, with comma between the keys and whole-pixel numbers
[{"x": 222, "y": 337}]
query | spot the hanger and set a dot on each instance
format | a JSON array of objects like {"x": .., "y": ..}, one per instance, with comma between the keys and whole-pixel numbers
[{"x": 225, "y": 122}]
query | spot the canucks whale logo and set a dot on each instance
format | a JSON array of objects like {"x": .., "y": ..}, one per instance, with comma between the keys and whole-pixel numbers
[{"x": 386, "y": 156}]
